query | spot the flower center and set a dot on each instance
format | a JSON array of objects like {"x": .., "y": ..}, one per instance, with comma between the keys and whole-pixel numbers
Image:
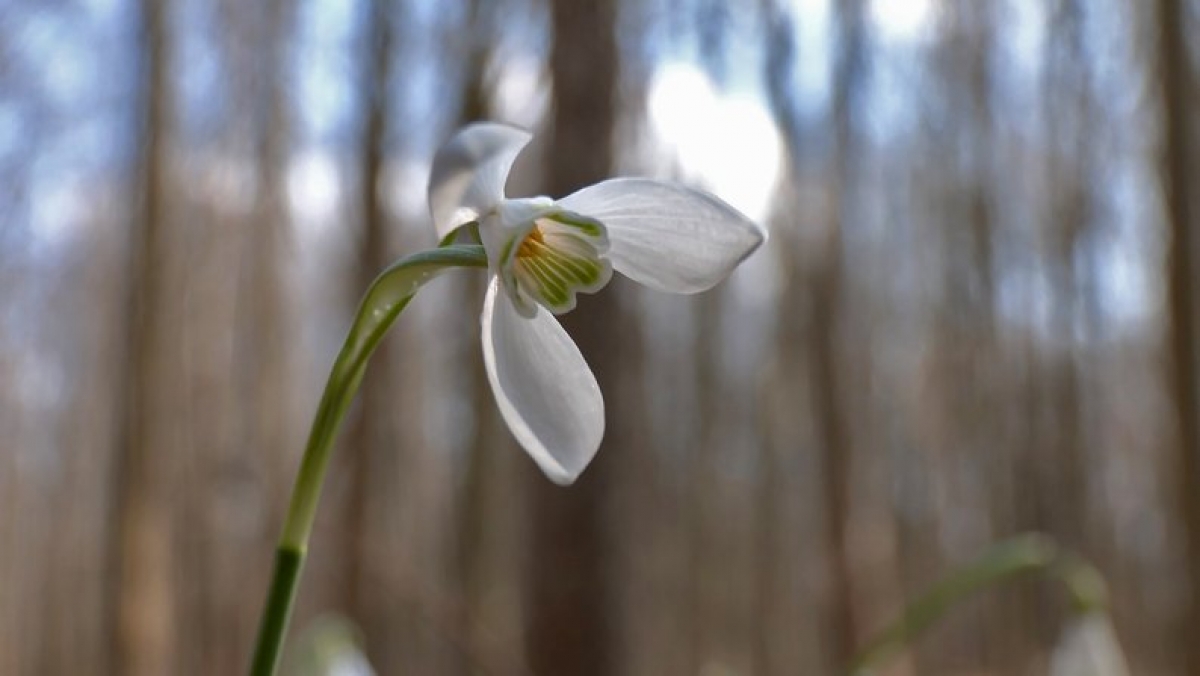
[
  {"x": 559, "y": 257},
  {"x": 532, "y": 243}
]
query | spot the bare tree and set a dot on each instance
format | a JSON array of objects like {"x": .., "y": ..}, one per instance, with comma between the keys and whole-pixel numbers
[
  {"x": 144, "y": 623},
  {"x": 375, "y": 446},
  {"x": 569, "y": 625},
  {"x": 1177, "y": 82},
  {"x": 488, "y": 506},
  {"x": 828, "y": 307},
  {"x": 262, "y": 443}
]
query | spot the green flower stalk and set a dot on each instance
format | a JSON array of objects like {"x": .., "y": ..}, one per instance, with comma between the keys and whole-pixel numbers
[
  {"x": 384, "y": 301},
  {"x": 539, "y": 254},
  {"x": 1022, "y": 556}
]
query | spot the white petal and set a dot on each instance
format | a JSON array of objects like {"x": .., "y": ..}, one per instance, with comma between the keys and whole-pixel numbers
[
  {"x": 667, "y": 236},
  {"x": 1089, "y": 647},
  {"x": 544, "y": 388},
  {"x": 469, "y": 172}
]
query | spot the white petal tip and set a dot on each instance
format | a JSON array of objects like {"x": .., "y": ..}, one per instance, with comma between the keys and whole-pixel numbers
[
  {"x": 761, "y": 234},
  {"x": 545, "y": 391},
  {"x": 668, "y": 236},
  {"x": 560, "y": 476}
]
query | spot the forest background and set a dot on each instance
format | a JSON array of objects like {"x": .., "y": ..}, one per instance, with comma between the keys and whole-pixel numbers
[{"x": 975, "y": 317}]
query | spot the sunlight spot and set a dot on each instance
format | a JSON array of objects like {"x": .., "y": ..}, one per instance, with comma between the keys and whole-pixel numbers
[
  {"x": 403, "y": 192},
  {"x": 103, "y": 9},
  {"x": 813, "y": 59},
  {"x": 1024, "y": 40},
  {"x": 57, "y": 208},
  {"x": 903, "y": 20},
  {"x": 521, "y": 95},
  {"x": 728, "y": 143},
  {"x": 313, "y": 190}
]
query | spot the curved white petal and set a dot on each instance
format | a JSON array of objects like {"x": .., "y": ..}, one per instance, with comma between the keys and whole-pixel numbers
[
  {"x": 544, "y": 388},
  {"x": 468, "y": 174},
  {"x": 667, "y": 236}
]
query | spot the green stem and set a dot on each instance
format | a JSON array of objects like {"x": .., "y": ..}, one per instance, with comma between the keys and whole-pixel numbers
[
  {"x": 382, "y": 304},
  {"x": 1026, "y": 554},
  {"x": 279, "y": 608}
]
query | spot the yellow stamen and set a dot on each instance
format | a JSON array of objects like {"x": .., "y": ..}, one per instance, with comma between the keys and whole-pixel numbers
[{"x": 528, "y": 247}]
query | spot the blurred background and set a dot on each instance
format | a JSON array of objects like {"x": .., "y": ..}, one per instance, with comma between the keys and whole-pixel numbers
[{"x": 975, "y": 317}]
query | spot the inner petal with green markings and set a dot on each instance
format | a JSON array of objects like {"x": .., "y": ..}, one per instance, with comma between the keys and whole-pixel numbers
[{"x": 560, "y": 255}]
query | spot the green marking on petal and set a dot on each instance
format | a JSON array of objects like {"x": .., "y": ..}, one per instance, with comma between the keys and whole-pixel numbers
[
  {"x": 559, "y": 267},
  {"x": 551, "y": 286},
  {"x": 588, "y": 226},
  {"x": 552, "y": 263}
]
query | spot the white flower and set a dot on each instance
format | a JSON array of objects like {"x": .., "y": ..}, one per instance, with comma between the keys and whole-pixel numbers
[
  {"x": 542, "y": 252},
  {"x": 1089, "y": 647}
]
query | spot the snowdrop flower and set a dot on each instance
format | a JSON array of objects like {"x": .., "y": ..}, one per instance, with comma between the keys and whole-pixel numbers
[{"x": 542, "y": 252}]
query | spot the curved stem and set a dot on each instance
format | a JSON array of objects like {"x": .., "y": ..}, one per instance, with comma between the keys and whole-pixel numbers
[
  {"x": 1026, "y": 554},
  {"x": 382, "y": 304}
]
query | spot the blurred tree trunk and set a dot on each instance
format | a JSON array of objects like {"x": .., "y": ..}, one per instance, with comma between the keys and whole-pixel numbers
[
  {"x": 790, "y": 526},
  {"x": 1177, "y": 82},
  {"x": 570, "y": 594},
  {"x": 489, "y": 629},
  {"x": 962, "y": 342},
  {"x": 268, "y": 331},
  {"x": 262, "y": 447},
  {"x": 144, "y": 620},
  {"x": 705, "y": 506},
  {"x": 369, "y": 437},
  {"x": 73, "y": 627},
  {"x": 984, "y": 420},
  {"x": 10, "y": 532},
  {"x": 833, "y": 435},
  {"x": 828, "y": 307},
  {"x": 1064, "y": 480},
  {"x": 378, "y": 452},
  {"x": 769, "y": 584}
]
